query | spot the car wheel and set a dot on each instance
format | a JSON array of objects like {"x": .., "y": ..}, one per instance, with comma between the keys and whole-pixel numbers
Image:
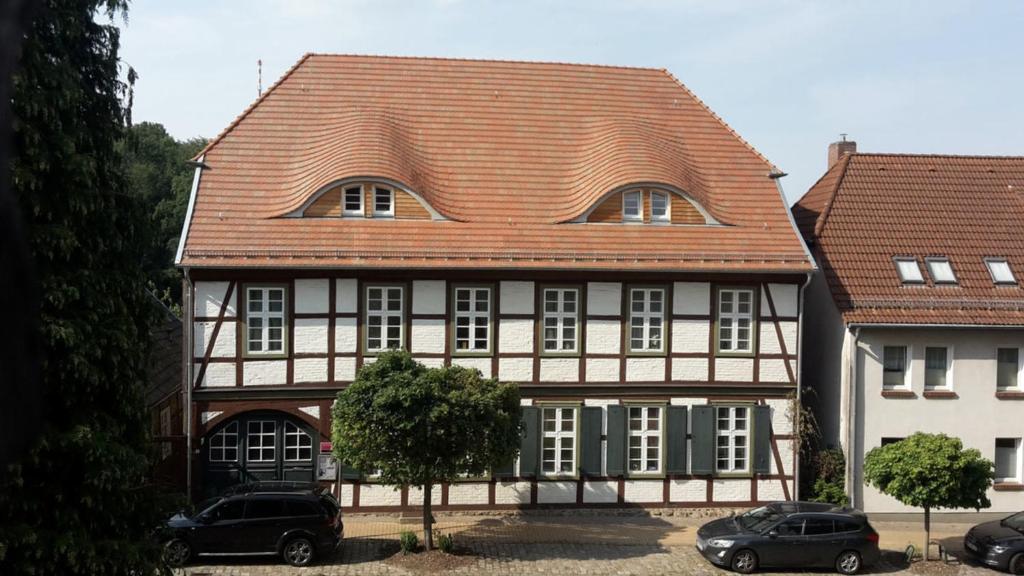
[
  {"x": 1016, "y": 565},
  {"x": 177, "y": 552},
  {"x": 848, "y": 562},
  {"x": 744, "y": 561},
  {"x": 299, "y": 552}
]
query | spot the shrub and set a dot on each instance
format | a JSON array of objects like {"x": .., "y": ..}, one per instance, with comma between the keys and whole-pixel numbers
[
  {"x": 408, "y": 541},
  {"x": 829, "y": 477},
  {"x": 445, "y": 543},
  {"x": 830, "y": 491}
]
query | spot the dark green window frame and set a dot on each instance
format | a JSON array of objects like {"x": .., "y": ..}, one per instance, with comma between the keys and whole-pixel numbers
[
  {"x": 403, "y": 324},
  {"x": 285, "y": 323},
  {"x": 542, "y": 314},
  {"x": 661, "y": 435},
  {"x": 627, "y": 323},
  {"x": 755, "y": 296},
  {"x": 577, "y": 410},
  {"x": 748, "y": 471},
  {"x": 454, "y": 320}
]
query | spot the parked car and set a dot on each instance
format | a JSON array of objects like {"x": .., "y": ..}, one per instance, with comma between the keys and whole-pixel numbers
[
  {"x": 297, "y": 524},
  {"x": 999, "y": 544},
  {"x": 791, "y": 535}
]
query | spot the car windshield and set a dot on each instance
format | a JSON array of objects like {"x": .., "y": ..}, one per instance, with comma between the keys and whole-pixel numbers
[
  {"x": 758, "y": 519},
  {"x": 1016, "y": 522},
  {"x": 207, "y": 504}
]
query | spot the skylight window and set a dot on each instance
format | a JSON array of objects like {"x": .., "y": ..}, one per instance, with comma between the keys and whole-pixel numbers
[
  {"x": 941, "y": 270},
  {"x": 999, "y": 268},
  {"x": 909, "y": 270}
]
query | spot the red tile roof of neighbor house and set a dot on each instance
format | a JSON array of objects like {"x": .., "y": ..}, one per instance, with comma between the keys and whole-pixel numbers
[
  {"x": 509, "y": 153},
  {"x": 869, "y": 208}
]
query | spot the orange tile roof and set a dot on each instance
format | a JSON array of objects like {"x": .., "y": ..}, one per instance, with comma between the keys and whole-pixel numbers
[
  {"x": 869, "y": 208},
  {"x": 508, "y": 152}
]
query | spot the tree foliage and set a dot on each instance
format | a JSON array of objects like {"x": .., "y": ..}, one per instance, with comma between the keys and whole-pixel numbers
[
  {"x": 77, "y": 502},
  {"x": 420, "y": 426}
]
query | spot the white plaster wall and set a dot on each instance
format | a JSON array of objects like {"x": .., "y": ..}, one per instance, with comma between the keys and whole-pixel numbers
[
  {"x": 312, "y": 295},
  {"x": 769, "y": 342},
  {"x": 781, "y": 417},
  {"x": 734, "y": 369},
  {"x": 602, "y": 369},
  {"x": 379, "y": 495},
  {"x": 225, "y": 344},
  {"x": 556, "y": 492},
  {"x": 784, "y": 296},
  {"x": 515, "y": 335},
  {"x": 517, "y": 297},
  {"x": 345, "y": 335},
  {"x": 559, "y": 369},
  {"x": 313, "y": 411},
  {"x": 432, "y": 362},
  {"x": 786, "y": 452},
  {"x": 344, "y": 369},
  {"x": 346, "y": 495},
  {"x": 773, "y": 370},
  {"x": 511, "y": 493},
  {"x": 483, "y": 364},
  {"x": 310, "y": 370},
  {"x": 210, "y": 295},
  {"x": 217, "y": 374},
  {"x": 264, "y": 372},
  {"x": 468, "y": 493},
  {"x": 645, "y": 369},
  {"x": 346, "y": 294},
  {"x": 311, "y": 335},
  {"x": 428, "y": 297},
  {"x": 770, "y": 490},
  {"x": 690, "y": 369},
  {"x": 643, "y": 491},
  {"x": 604, "y": 298},
  {"x": 515, "y": 369},
  {"x": 604, "y": 336},
  {"x": 731, "y": 490},
  {"x": 601, "y": 492},
  {"x": 427, "y": 336},
  {"x": 688, "y": 491},
  {"x": 691, "y": 298},
  {"x": 690, "y": 335},
  {"x": 416, "y": 495}
]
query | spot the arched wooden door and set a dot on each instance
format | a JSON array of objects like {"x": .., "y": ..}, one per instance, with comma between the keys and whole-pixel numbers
[{"x": 262, "y": 445}]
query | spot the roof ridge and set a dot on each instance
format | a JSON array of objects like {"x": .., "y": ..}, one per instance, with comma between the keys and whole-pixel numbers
[
  {"x": 489, "y": 60},
  {"x": 930, "y": 155},
  {"x": 819, "y": 225},
  {"x": 238, "y": 119}
]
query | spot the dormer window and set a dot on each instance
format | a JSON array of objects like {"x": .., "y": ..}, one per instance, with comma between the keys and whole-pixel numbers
[
  {"x": 941, "y": 270},
  {"x": 632, "y": 207},
  {"x": 352, "y": 203},
  {"x": 383, "y": 202},
  {"x": 908, "y": 270},
  {"x": 660, "y": 207},
  {"x": 999, "y": 268}
]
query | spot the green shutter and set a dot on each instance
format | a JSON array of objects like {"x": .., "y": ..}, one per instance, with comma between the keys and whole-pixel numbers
[
  {"x": 506, "y": 470},
  {"x": 349, "y": 473},
  {"x": 530, "y": 442},
  {"x": 702, "y": 461},
  {"x": 616, "y": 464},
  {"x": 590, "y": 440},
  {"x": 762, "y": 439},
  {"x": 675, "y": 439}
]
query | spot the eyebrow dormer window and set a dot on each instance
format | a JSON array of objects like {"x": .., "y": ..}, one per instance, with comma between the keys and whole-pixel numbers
[
  {"x": 908, "y": 270},
  {"x": 383, "y": 202},
  {"x": 632, "y": 207},
  {"x": 352, "y": 203},
  {"x": 660, "y": 207},
  {"x": 941, "y": 270},
  {"x": 999, "y": 268}
]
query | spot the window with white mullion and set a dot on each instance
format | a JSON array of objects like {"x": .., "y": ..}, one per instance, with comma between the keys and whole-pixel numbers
[
  {"x": 645, "y": 439},
  {"x": 352, "y": 200},
  {"x": 298, "y": 446},
  {"x": 732, "y": 439},
  {"x": 660, "y": 207},
  {"x": 561, "y": 312},
  {"x": 384, "y": 318},
  {"x": 224, "y": 444},
  {"x": 632, "y": 206},
  {"x": 646, "y": 319},
  {"x": 383, "y": 202},
  {"x": 260, "y": 440},
  {"x": 735, "y": 320},
  {"x": 558, "y": 451},
  {"x": 265, "y": 317},
  {"x": 472, "y": 319}
]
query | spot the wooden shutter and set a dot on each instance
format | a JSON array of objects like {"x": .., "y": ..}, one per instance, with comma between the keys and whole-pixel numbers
[
  {"x": 506, "y": 470},
  {"x": 590, "y": 440},
  {"x": 616, "y": 463},
  {"x": 349, "y": 473},
  {"x": 762, "y": 439},
  {"x": 530, "y": 442},
  {"x": 702, "y": 461},
  {"x": 675, "y": 435}
]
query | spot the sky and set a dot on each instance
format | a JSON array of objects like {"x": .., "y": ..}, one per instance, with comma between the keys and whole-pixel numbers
[{"x": 937, "y": 76}]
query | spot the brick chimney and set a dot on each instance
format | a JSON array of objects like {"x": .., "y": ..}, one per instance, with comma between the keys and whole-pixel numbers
[{"x": 837, "y": 150}]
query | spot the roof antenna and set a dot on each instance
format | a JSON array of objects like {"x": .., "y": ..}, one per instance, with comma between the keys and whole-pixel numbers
[
  {"x": 259, "y": 78},
  {"x": 843, "y": 136}
]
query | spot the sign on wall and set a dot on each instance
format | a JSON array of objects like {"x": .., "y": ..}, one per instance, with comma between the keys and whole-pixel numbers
[{"x": 327, "y": 468}]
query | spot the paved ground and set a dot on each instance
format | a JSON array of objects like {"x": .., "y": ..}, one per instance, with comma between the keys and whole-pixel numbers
[{"x": 564, "y": 545}]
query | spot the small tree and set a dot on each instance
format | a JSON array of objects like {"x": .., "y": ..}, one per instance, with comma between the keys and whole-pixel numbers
[
  {"x": 418, "y": 426},
  {"x": 930, "y": 471}
]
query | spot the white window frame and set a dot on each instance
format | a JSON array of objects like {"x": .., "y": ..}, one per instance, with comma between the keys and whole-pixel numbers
[
  {"x": 907, "y": 363},
  {"x": 384, "y": 315},
  {"x": 949, "y": 368},
  {"x": 643, "y": 438},
  {"x": 1019, "y": 479},
  {"x": 639, "y": 216},
  {"x": 362, "y": 200},
  {"x": 559, "y": 437},
  {"x": 1020, "y": 370},
  {"x": 262, "y": 434},
  {"x": 390, "y": 212},
  {"x": 936, "y": 263},
  {"x": 265, "y": 317},
  {"x": 647, "y": 318},
  {"x": 223, "y": 435},
  {"x": 900, "y": 271},
  {"x": 475, "y": 319},
  {"x": 734, "y": 317},
  {"x": 562, "y": 320},
  {"x": 733, "y": 436},
  {"x": 667, "y": 216},
  {"x": 989, "y": 262},
  {"x": 295, "y": 441}
]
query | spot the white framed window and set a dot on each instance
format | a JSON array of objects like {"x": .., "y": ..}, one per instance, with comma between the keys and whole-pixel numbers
[
  {"x": 224, "y": 444},
  {"x": 645, "y": 439},
  {"x": 646, "y": 319},
  {"x": 260, "y": 440},
  {"x": 558, "y": 449},
  {"x": 632, "y": 206},
  {"x": 472, "y": 319},
  {"x": 894, "y": 367},
  {"x": 1009, "y": 461},
  {"x": 264, "y": 320},
  {"x": 1000, "y": 270},
  {"x": 661, "y": 208},
  {"x": 941, "y": 270},
  {"x": 732, "y": 439},
  {"x": 385, "y": 319},
  {"x": 909, "y": 270},
  {"x": 1009, "y": 372},
  {"x": 298, "y": 446},
  {"x": 352, "y": 201},
  {"x": 735, "y": 320},
  {"x": 938, "y": 368},
  {"x": 383, "y": 202},
  {"x": 560, "y": 320}
]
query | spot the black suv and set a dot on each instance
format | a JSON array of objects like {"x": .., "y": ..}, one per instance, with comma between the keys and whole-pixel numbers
[
  {"x": 791, "y": 535},
  {"x": 297, "y": 524}
]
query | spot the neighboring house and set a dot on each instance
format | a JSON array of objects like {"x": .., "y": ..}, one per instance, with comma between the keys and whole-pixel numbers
[
  {"x": 164, "y": 399},
  {"x": 594, "y": 233},
  {"x": 919, "y": 311}
]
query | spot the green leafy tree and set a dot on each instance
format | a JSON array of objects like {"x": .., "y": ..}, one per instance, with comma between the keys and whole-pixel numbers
[
  {"x": 930, "y": 471},
  {"x": 77, "y": 501},
  {"x": 419, "y": 426}
]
